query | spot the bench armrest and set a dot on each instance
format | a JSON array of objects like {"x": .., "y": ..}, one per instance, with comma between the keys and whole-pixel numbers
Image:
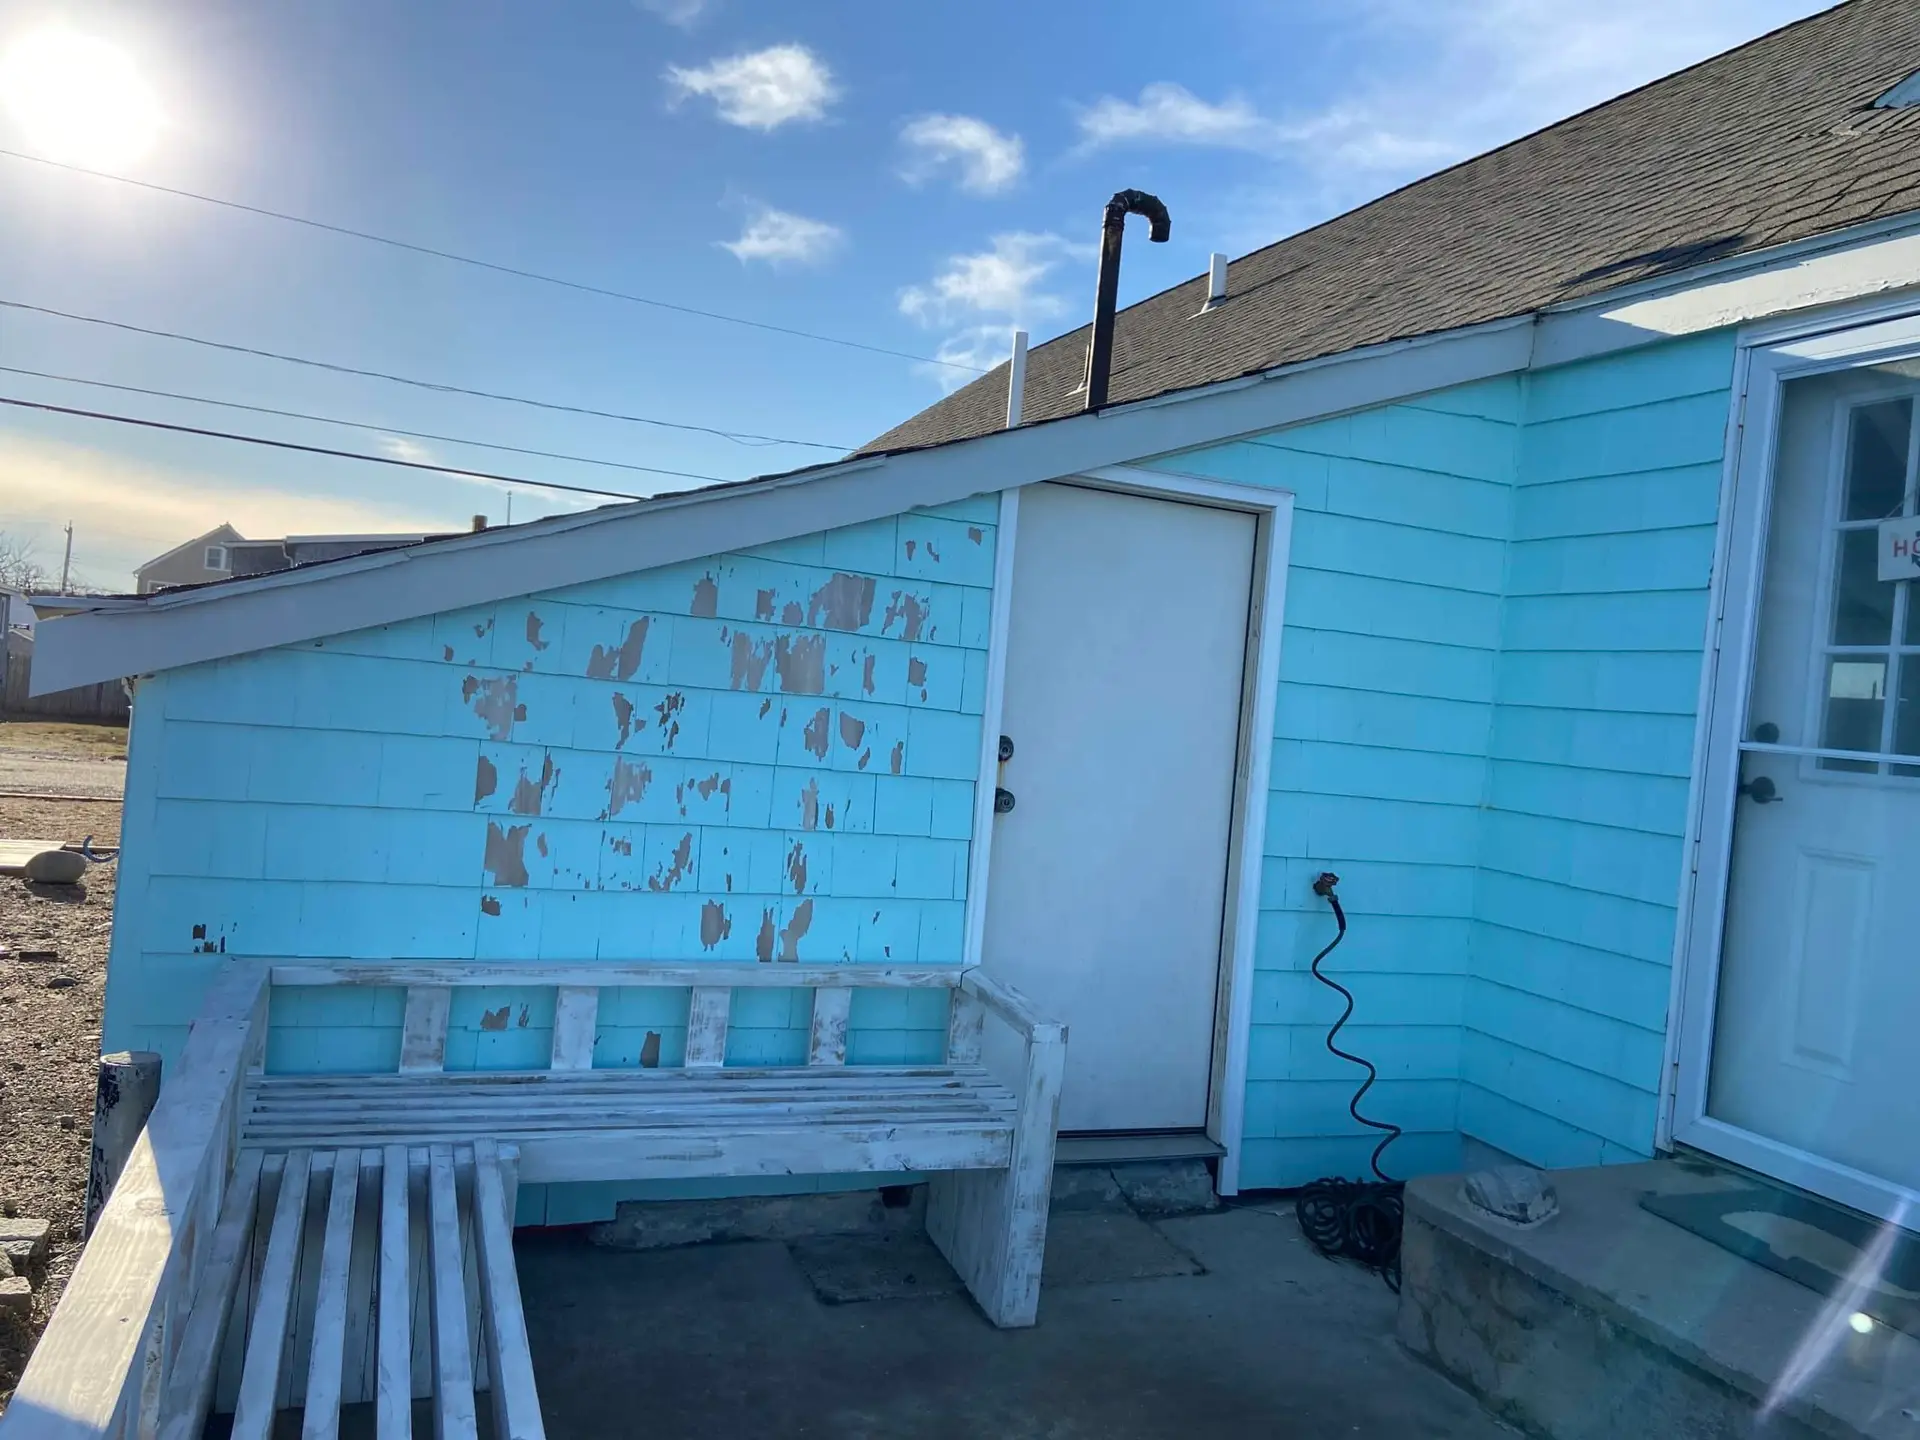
[{"x": 1013, "y": 1007}]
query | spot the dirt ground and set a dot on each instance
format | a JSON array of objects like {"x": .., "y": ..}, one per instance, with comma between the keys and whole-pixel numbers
[
  {"x": 52, "y": 757},
  {"x": 49, "y": 1042}
]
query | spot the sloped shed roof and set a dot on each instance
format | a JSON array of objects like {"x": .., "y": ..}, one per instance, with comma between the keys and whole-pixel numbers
[{"x": 1773, "y": 142}]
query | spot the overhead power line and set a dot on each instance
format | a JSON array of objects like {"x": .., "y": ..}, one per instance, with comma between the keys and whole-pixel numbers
[
  {"x": 743, "y": 437},
  {"x": 310, "y": 449},
  {"x": 580, "y": 285},
  {"x": 360, "y": 425}
]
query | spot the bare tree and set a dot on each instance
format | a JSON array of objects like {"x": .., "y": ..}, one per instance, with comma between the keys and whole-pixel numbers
[{"x": 20, "y": 569}]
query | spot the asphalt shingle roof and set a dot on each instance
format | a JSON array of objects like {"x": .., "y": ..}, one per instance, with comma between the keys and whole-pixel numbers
[{"x": 1773, "y": 142}]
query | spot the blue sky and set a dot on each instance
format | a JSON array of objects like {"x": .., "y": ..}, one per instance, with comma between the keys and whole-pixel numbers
[{"x": 919, "y": 178}]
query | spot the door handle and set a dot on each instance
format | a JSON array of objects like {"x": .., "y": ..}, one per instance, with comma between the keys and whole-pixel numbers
[{"x": 1761, "y": 790}]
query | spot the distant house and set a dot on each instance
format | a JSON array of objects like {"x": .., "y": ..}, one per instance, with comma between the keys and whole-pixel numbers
[
  {"x": 224, "y": 554},
  {"x": 199, "y": 560}
]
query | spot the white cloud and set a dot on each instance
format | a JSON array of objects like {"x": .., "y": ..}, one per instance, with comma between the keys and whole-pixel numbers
[
  {"x": 764, "y": 89},
  {"x": 684, "y": 13},
  {"x": 1004, "y": 279},
  {"x": 781, "y": 238},
  {"x": 1173, "y": 115},
  {"x": 988, "y": 161},
  {"x": 978, "y": 347},
  {"x": 412, "y": 451}
]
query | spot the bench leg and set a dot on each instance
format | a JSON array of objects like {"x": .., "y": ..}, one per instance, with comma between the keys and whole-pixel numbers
[{"x": 992, "y": 1224}]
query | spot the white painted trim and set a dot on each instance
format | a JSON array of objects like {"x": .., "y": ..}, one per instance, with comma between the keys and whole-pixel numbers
[
  {"x": 1702, "y": 734},
  {"x": 1767, "y": 359},
  {"x": 1266, "y": 620},
  {"x": 1866, "y": 261},
  {"x": 980, "y": 850}
]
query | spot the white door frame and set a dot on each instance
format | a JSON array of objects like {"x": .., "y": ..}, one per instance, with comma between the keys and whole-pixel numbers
[
  {"x": 1766, "y": 359},
  {"x": 1233, "y": 1005}
]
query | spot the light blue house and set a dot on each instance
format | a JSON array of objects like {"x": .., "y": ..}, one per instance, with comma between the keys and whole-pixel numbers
[{"x": 1488, "y": 546}]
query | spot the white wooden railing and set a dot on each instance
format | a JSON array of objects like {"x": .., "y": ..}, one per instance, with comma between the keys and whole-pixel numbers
[{"x": 100, "y": 1368}]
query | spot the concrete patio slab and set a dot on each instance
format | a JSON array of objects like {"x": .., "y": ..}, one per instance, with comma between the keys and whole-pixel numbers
[{"x": 730, "y": 1339}]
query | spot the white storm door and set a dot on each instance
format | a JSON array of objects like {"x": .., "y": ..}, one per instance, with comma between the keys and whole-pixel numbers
[{"x": 1814, "y": 1071}]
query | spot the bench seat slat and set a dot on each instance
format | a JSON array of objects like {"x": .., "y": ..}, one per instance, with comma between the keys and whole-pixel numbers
[
  {"x": 189, "y": 1391},
  {"x": 427, "y": 1088},
  {"x": 273, "y": 1305},
  {"x": 453, "y": 1407}
]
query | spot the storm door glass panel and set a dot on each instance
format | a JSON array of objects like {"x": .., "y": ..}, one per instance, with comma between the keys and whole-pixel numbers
[{"x": 1869, "y": 621}]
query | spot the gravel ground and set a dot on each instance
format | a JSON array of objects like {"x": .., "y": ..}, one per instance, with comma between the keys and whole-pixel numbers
[
  {"x": 44, "y": 772},
  {"x": 49, "y": 1042}
]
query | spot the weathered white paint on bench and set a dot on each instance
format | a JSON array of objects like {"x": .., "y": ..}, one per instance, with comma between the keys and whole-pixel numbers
[
  {"x": 987, "y": 1148},
  {"x": 213, "y": 1204}
]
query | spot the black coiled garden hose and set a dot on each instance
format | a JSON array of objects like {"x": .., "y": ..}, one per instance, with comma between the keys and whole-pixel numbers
[{"x": 1359, "y": 1219}]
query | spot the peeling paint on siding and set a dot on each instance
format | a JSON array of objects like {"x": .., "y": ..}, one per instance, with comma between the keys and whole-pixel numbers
[
  {"x": 494, "y": 1019},
  {"x": 845, "y": 602},
  {"x": 866, "y": 674},
  {"x": 713, "y": 782},
  {"x": 795, "y": 930},
  {"x": 506, "y": 853},
  {"x": 668, "y": 710},
  {"x": 911, "y": 545},
  {"x": 899, "y": 756},
  {"x": 533, "y": 634},
  {"x": 650, "y": 1051},
  {"x": 626, "y": 783},
  {"x": 814, "y": 737},
  {"x": 496, "y": 701},
  {"x": 486, "y": 780},
  {"x": 621, "y": 663},
  {"x": 792, "y": 614},
  {"x": 673, "y": 874},
  {"x": 489, "y": 904},
  {"x": 797, "y": 867},
  {"x": 907, "y": 607},
  {"x": 749, "y": 663},
  {"x": 763, "y": 942},
  {"x": 529, "y": 795},
  {"x": 706, "y": 599},
  {"x": 763, "y": 604},
  {"x": 623, "y": 717},
  {"x": 852, "y": 728},
  {"x": 715, "y": 926},
  {"x": 810, "y": 805},
  {"x": 974, "y": 533},
  {"x": 801, "y": 663}
]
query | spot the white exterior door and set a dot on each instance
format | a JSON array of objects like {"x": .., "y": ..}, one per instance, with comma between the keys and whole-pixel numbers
[
  {"x": 1125, "y": 656},
  {"x": 1813, "y": 1072}
]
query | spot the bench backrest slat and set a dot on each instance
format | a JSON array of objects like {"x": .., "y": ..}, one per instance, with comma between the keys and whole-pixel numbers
[
  {"x": 828, "y": 1043},
  {"x": 576, "y": 987},
  {"x": 576, "y": 1009},
  {"x": 707, "y": 1015},
  {"x": 423, "y": 1034}
]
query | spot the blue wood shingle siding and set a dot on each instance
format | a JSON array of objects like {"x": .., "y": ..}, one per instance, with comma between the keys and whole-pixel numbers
[
  {"x": 768, "y": 754},
  {"x": 1495, "y": 621}
]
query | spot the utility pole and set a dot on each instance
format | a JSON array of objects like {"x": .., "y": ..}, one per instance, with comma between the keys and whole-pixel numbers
[{"x": 66, "y": 565}]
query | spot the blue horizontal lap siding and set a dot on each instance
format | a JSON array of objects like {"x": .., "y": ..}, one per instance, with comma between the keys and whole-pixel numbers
[
  {"x": 1388, "y": 678},
  {"x": 1496, "y": 603},
  {"x": 1602, "y": 637},
  {"x": 760, "y": 755}
]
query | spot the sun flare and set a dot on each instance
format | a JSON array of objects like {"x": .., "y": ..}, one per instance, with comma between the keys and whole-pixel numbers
[{"x": 78, "y": 99}]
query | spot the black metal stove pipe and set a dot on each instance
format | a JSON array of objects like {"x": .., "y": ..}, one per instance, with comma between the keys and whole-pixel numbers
[{"x": 1112, "y": 230}]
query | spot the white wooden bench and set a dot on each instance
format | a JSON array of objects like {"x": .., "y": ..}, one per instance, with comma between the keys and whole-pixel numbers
[
  {"x": 986, "y": 1146},
  {"x": 281, "y": 1241}
]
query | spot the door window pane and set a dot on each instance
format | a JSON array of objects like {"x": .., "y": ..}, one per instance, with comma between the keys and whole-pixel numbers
[
  {"x": 1856, "y": 698},
  {"x": 1877, "y": 460},
  {"x": 1862, "y": 602}
]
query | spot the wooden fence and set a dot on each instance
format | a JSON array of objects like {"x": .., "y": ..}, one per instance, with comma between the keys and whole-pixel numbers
[{"x": 104, "y": 702}]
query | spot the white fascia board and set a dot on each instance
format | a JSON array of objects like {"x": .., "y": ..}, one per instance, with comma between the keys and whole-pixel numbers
[
  {"x": 237, "y": 617},
  {"x": 1865, "y": 260}
]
